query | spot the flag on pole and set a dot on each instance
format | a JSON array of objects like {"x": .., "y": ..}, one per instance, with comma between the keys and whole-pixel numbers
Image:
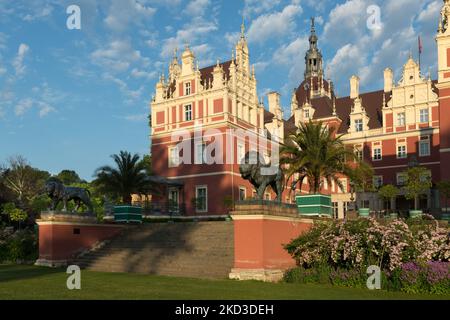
[{"x": 420, "y": 46}]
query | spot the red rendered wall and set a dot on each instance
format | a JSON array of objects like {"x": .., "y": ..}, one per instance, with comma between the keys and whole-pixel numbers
[
  {"x": 58, "y": 241},
  {"x": 258, "y": 243}
]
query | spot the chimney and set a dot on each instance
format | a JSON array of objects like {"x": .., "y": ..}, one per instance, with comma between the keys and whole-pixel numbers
[
  {"x": 274, "y": 102},
  {"x": 388, "y": 80},
  {"x": 354, "y": 87}
]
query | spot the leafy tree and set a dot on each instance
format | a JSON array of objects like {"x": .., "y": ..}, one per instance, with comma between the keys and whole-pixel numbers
[
  {"x": 418, "y": 182},
  {"x": 147, "y": 162},
  {"x": 444, "y": 189},
  {"x": 69, "y": 177},
  {"x": 361, "y": 177},
  {"x": 15, "y": 214},
  {"x": 389, "y": 192},
  {"x": 23, "y": 180},
  {"x": 127, "y": 178},
  {"x": 316, "y": 153}
]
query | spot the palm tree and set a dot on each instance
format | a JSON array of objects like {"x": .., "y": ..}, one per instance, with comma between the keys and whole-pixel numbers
[
  {"x": 129, "y": 177},
  {"x": 316, "y": 153}
]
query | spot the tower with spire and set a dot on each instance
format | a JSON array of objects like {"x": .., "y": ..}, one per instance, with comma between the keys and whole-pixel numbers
[{"x": 313, "y": 58}]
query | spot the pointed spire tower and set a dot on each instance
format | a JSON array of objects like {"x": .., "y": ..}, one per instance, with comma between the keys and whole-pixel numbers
[
  {"x": 242, "y": 53},
  {"x": 313, "y": 58}
]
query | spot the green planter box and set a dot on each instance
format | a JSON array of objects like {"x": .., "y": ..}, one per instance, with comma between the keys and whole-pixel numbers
[
  {"x": 364, "y": 212},
  {"x": 393, "y": 215},
  {"x": 314, "y": 205},
  {"x": 415, "y": 213},
  {"x": 128, "y": 214},
  {"x": 446, "y": 216}
]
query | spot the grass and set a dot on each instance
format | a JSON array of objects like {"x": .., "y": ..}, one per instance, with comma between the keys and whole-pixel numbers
[{"x": 29, "y": 282}]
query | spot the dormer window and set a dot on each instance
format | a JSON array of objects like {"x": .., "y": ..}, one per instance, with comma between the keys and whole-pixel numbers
[
  {"x": 358, "y": 125},
  {"x": 306, "y": 113},
  {"x": 187, "y": 88},
  {"x": 401, "y": 119}
]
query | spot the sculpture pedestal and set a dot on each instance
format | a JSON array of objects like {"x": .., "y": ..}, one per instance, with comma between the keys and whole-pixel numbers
[
  {"x": 259, "y": 237},
  {"x": 63, "y": 236}
]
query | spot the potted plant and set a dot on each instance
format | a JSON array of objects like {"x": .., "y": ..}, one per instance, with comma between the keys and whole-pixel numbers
[
  {"x": 361, "y": 178},
  {"x": 316, "y": 154},
  {"x": 389, "y": 193},
  {"x": 418, "y": 183}
]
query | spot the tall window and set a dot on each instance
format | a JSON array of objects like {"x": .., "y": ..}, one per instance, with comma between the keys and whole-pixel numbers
[
  {"x": 424, "y": 116},
  {"x": 306, "y": 113},
  {"x": 378, "y": 181},
  {"x": 174, "y": 157},
  {"x": 401, "y": 179},
  {"x": 424, "y": 146},
  {"x": 358, "y": 125},
  {"x": 201, "y": 196},
  {"x": 188, "y": 112},
  {"x": 401, "y": 119},
  {"x": 242, "y": 192},
  {"x": 377, "y": 154},
  {"x": 358, "y": 155},
  {"x": 240, "y": 153},
  {"x": 200, "y": 153},
  {"x": 187, "y": 88},
  {"x": 401, "y": 152}
]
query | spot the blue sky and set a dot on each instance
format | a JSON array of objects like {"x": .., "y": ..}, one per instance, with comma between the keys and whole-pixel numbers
[{"x": 71, "y": 98}]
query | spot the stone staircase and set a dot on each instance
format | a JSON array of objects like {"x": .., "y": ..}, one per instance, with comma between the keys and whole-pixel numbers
[{"x": 198, "y": 250}]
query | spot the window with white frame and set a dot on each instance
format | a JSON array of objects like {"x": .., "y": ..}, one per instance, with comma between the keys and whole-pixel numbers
[
  {"x": 358, "y": 153},
  {"x": 174, "y": 157},
  {"x": 200, "y": 153},
  {"x": 335, "y": 210},
  {"x": 187, "y": 88},
  {"x": 242, "y": 193},
  {"x": 359, "y": 125},
  {"x": 267, "y": 196},
  {"x": 188, "y": 112},
  {"x": 377, "y": 154},
  {"x": 401, "y": 119},
  {"x": 401, "y": 152},
  {"x": 344, "y": 186},
  {"x": 401, "y": 178},
  {"x": 424, "y": 116},
  {"x": 240, "y": 152},
  {"x": 201, "y": 196},
  {"x": 306, "y": 113},
  {"x": 377, "y": 181},
  {"x": 424, "y": 146},
  {"x": 425, "y": 177}
]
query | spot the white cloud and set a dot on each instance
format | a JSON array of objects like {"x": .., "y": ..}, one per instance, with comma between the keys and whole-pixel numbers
[
  {"x": 136, "y": 73},
  {"x": 136, "y": 117},
  {"x": 40, "y": 12},
  {"x": 197, "y": 7},
  {"x": 123, "y": 13},
  {"x": 295, "y": 50},
  {"x": 23, "y": 106},
  {"x": 190, "y": 33},
  {"x": 430, "y": 12},
  {"x": 269, "y": 26},
  {"x": 18, "y": 62},
  {"x": 118, "y": 56},
  {"x": 259, "y": 6}
]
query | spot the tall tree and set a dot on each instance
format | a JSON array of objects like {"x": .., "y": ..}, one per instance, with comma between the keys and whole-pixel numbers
[
  {"x": 316, "y": 153},
  {"x": 127, "y": 178},
  {"x": 418, "y": 183},
  {"x": 69, "y": 177},
  {"x": 22, "y": 179}
]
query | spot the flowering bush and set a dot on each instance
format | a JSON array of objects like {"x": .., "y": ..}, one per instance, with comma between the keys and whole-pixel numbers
[
  {"x": 363, "y": 242},
  {"x": 414, "y": 256}
]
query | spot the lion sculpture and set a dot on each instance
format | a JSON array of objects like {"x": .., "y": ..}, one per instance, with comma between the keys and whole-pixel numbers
[
  {"x": 250, "y": 169},
  {"x": 57, "y": 192}
]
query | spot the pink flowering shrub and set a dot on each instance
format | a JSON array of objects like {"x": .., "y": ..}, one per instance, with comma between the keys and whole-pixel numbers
[{"x": 363, "y": 242}]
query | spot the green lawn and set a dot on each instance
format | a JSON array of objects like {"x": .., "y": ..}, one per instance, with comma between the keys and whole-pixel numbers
[{"x": 27, "y": 282}]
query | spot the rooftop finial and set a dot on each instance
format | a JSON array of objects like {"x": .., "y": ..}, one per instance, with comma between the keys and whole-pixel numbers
[
  {"x": 243, "y": 27},
  {"x": 313, "y": 27}
]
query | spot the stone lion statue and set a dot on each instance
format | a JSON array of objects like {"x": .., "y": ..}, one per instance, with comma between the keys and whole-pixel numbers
[
  {"x": 250, "y": 169},
  {"x": 56, "y": 190}
]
